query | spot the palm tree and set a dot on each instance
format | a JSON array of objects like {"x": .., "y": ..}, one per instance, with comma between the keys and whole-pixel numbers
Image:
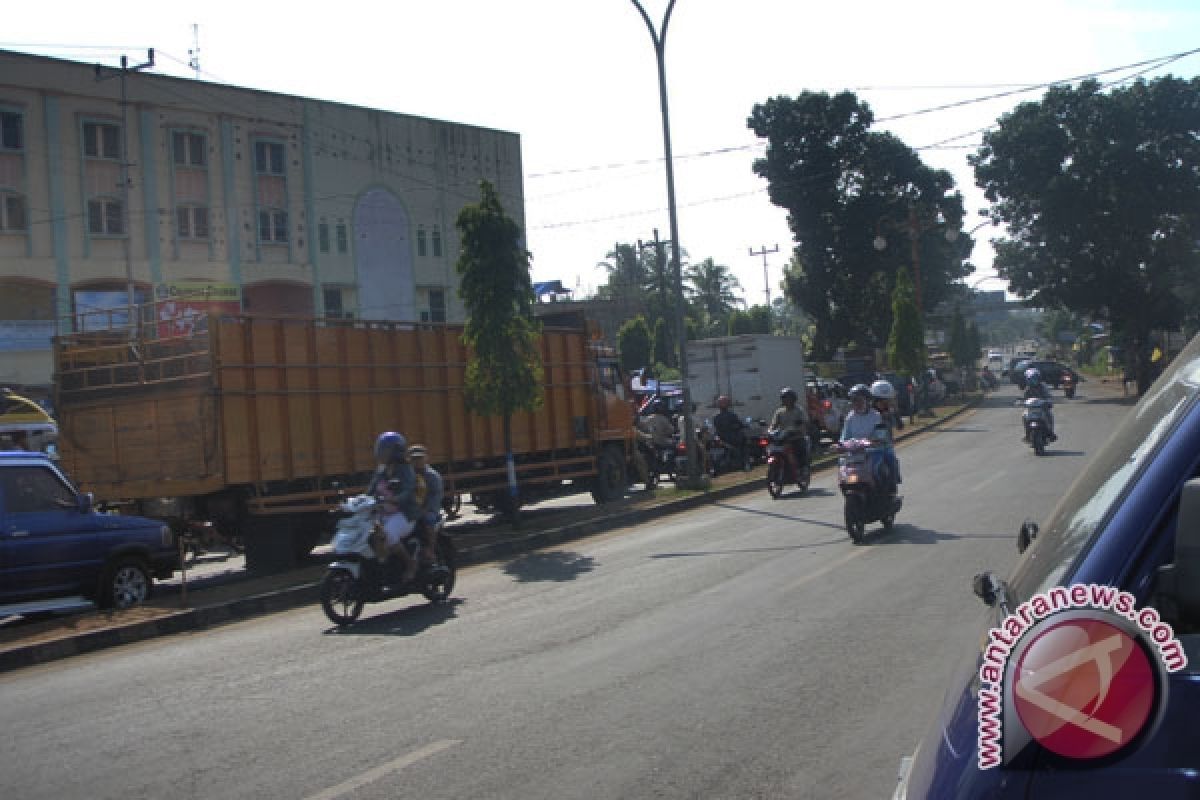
[{"x": 710, "y": 288}]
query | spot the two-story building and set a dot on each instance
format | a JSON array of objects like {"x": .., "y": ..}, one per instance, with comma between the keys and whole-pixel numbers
[{"x": 208, "y": 195}]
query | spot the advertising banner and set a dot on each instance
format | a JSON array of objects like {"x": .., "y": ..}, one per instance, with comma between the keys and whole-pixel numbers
[{"x": 179, "y": 306}]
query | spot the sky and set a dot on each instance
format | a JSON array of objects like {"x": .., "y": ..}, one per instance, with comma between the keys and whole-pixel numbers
[{"x": 577, "y": 79}]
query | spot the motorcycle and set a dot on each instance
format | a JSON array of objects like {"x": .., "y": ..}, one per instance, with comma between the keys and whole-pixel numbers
[
  {"x": 356, "y": 576},
  {"x": 988, "y": 380},
  {"x": 1037, "y": 427},
  {"x": 865, "y": 500},
  {"x": 1068, "y": 385},
  {"x": 780, "y": 470}
]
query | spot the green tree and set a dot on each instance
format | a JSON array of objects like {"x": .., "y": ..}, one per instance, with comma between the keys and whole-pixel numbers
[
  {"x": 1099, "y": 194},
  {"x": 906, "y": 345},
  {"x": 664, "y": 344},
  {"x": 710, "y": 289},
  {"x": 755, "y": 320},
  {"x": 504, "y": 372},
  {"x": 974, "y": 343},
  {"x": 842, "y": 186},
  {"x": 962, "y": 352},
  {"x": 634, "y": 344}
]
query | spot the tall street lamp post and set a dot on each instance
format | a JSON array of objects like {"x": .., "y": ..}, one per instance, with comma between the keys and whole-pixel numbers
[{"x": 659, "y": 38}]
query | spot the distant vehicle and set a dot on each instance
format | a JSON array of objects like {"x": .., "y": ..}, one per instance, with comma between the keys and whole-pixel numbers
[
  {"x": 55, "y": 546},
  {"x": 1052, "y": 373},
  {"x": 995, "y": 357},
  {"x": 828, "y": 405}
]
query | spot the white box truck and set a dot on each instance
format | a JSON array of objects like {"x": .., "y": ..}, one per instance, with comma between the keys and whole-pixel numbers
[{"x": 751, "y": 368}]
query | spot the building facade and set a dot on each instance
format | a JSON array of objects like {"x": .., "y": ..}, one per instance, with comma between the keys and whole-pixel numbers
[{"x": 207, "y": 195}]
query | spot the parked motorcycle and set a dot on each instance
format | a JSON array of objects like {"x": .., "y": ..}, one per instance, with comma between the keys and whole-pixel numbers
[
  {"x": 756, "y": 441},
  {"x": 865, "y": 500},
  {"x": 780, "y": 471},
  {"x": 356, "y": 576},
  {"x": 1037, "y": 426},
  {"x": 1068, "y": 385}
]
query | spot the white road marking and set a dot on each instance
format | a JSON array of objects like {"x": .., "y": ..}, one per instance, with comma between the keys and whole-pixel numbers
[
  {"x": 855, "y": 553},
  {"x": 997, "y": 476},
  {"x": 372, "y": 775}
]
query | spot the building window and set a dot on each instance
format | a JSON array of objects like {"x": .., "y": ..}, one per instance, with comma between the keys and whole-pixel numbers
[
  {"x": 437, "y": 242},
  {"x": 101, "y": 140},
  {"x": 436, "y": 310},
  {"x": 191, "y": 222},
  {"x": 342, "y": 238},
  {"x": 333, "y": 304},
  {"x": 190, "y": 149},
  {"x": 268, "y": 158},
  {"x": 12, "y": 131},
  {"x": 323, "y": 237},
  {"x": 12, "y": 212},
  {"x": 105, "y": 217},
  {"x": 420, "y": 241},
  {"x": 272, "y": 226}
]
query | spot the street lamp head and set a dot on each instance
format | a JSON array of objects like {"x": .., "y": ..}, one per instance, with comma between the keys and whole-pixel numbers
[{"x": 880, "y": 243}]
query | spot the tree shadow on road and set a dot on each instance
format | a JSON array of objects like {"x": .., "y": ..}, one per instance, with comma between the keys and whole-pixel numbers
[
  {"x": 743, "y": 550},
  {"x": 559, "y": 565},
  {"x": 403, "y": 622}
]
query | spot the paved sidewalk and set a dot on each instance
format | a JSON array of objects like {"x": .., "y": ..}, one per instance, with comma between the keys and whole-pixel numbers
[{"x": 220, "y": 591}]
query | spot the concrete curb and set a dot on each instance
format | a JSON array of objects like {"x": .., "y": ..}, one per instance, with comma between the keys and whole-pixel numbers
[{"x": 307, "y": 592}]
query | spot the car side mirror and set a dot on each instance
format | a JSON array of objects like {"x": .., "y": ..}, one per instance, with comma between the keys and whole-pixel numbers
[
  {"x": 87, "y": 502},
  {"x": 1025, "y": 536},
  {"x": 986, "y": 587},
  {"x": 1179, "y": 583}
]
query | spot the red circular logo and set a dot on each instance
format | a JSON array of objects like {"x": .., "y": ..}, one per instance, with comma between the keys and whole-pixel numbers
[{"x": 1084, "y": 688}]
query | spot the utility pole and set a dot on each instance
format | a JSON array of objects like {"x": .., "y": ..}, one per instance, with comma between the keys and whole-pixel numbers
[
  {"x": 764, "y": 252},
  {"x": 126, "y": 218},
  {"x": 194, "y": 53}
]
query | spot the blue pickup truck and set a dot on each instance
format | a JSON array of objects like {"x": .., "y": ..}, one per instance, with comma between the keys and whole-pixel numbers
[{"x": 54, "y": 545}]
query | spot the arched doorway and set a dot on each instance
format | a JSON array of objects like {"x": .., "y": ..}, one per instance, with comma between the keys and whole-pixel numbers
[{"x": 383, "y": 258}]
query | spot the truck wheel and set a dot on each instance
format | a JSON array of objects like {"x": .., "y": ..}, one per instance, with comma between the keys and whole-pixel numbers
[
  {"x": 126, "y": 583},
  {"x": 609, "y": 483}
]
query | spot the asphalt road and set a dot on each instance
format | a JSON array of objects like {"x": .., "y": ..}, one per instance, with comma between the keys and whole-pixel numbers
[{"x": 747, "y": 649}]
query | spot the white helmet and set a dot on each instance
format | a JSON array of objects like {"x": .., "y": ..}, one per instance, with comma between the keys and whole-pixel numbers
[{"x": 882, "y": 390}]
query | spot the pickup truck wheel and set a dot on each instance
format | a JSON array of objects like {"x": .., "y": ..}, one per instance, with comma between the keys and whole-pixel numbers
[{"x": 126, "y": 583}]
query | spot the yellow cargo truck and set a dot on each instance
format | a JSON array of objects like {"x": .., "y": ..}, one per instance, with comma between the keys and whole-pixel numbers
[{"x": 255, "y": 424}]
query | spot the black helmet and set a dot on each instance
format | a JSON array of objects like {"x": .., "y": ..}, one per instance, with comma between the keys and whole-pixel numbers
[
  {"x": 861, "y": 390},
  {"x": 787, "y": 392}
]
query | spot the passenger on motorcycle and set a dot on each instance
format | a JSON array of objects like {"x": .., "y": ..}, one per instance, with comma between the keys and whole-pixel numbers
[
  {"x": 731, "y": 429},
  {"x": 394, "y": 482},
  {"x": 1035, "y": 388},
  {"x": 882, "y": 395},
  {"x": 792, "y": 419},
  {"x": 428, "y": 496}
]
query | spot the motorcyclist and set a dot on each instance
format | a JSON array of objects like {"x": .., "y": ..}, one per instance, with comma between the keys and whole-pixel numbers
[
  {"x": 1035, "y": 388},
  {"x": 731, "y": 429},
  {"x": 428, "y": 496},
  {"x": 792, "y": 419},
  {"x": 862, "y": 420},
  {"x": 654, "y": 419},
  {"x": 882, "y": 395},
  {"x": 394, "y": 482}
]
